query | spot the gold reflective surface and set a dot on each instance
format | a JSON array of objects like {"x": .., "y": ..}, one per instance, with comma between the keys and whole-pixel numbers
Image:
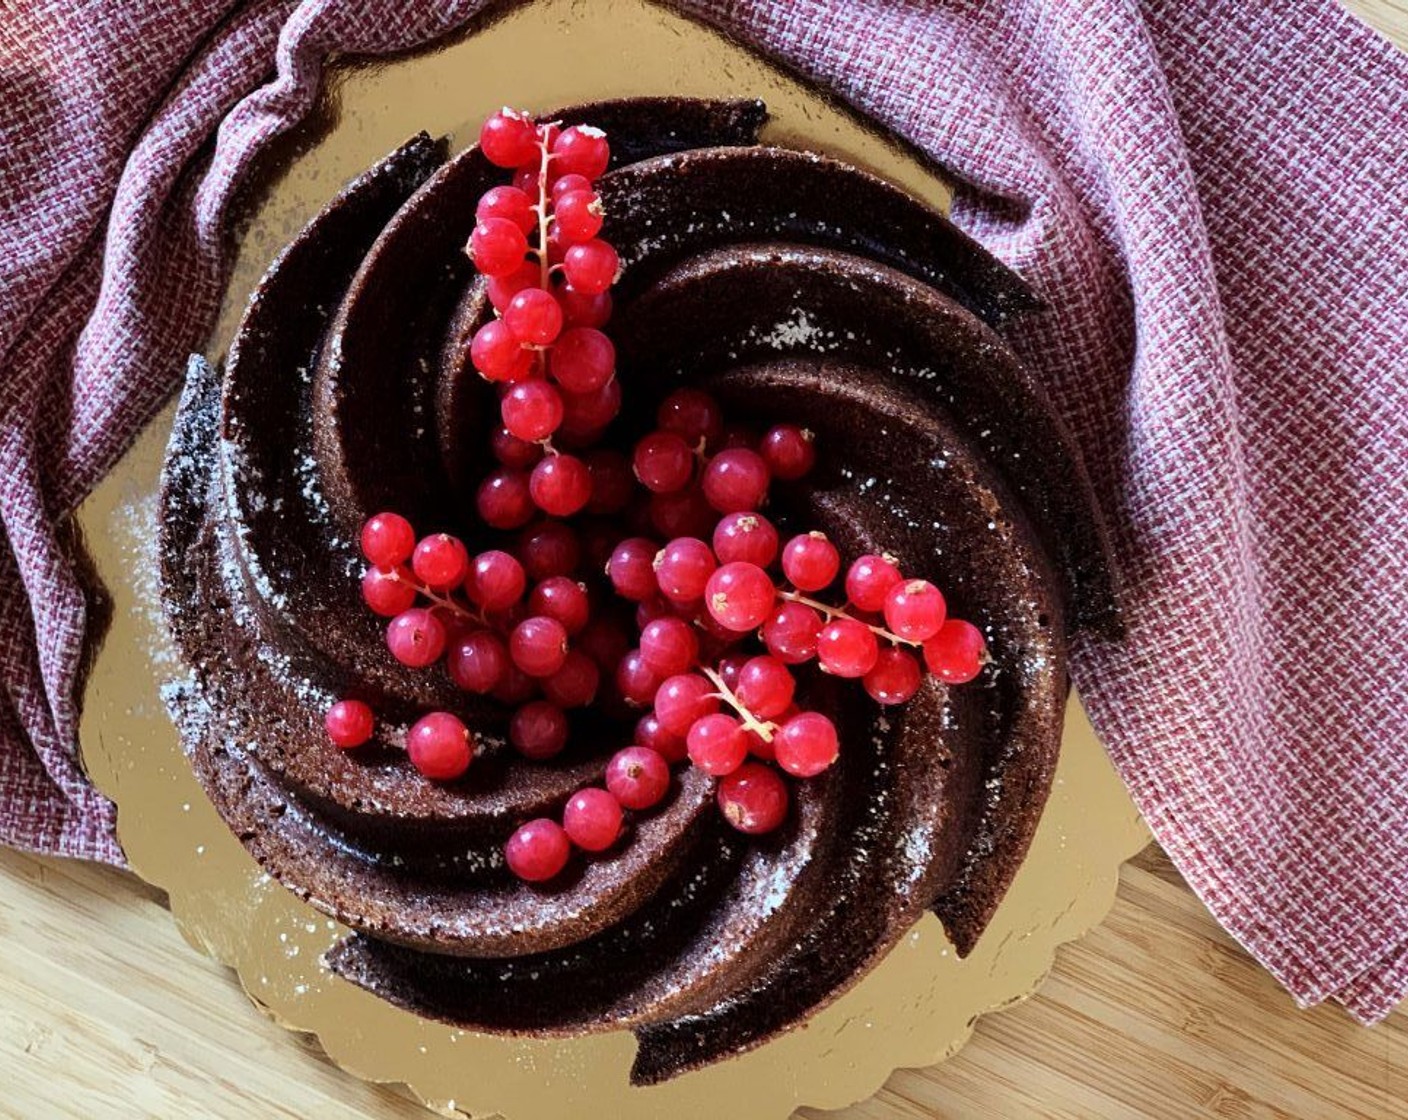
[{"x": 916, "y": 1007}]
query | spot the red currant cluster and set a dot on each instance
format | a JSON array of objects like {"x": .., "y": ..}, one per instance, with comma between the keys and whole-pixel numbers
[
  {"x": 548, "y": 280},
  {"x": 700, "y": 602},
  {"x": 725, "y": 613},
  {"x": 495, "y": 636}
]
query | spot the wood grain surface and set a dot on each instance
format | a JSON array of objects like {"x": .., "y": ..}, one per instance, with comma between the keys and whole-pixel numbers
[{"x": 106, "y": 1012}]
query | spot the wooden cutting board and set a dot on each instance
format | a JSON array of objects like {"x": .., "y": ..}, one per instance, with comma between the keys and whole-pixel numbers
[{"x": 1156, "y": 1013}]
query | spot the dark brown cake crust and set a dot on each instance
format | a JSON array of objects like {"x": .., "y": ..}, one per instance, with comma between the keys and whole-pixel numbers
[{"x": 793, "y": 287}]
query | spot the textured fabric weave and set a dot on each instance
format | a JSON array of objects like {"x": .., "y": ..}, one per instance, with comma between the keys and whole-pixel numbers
[{"x": 1211, "y": 198}]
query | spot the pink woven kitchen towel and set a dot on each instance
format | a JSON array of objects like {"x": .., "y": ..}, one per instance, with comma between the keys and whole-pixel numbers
[{"x": 1211, "y": 198}]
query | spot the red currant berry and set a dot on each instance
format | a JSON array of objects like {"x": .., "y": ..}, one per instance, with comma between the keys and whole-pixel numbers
[
  {"x": 730, "y": 668},
  {"x": 753, "y": 799},
  {"x": 561, "y": 485},
  {"x": 502, "y": 289},
  {"x": 720, "y": 637},
  {"x": 477, "y": 662},
  {"x": 583, "y": 309},
  {"x": 556, "y": 247},
  {"x": 650, "y": 734},
  {"x": 915, "y": 609},
  {"x": 538, "y": 730},
  {"x": 508, "y": 203},
  {"x": 740, "y": 596},
  {"x": 636, "y": 681},
  {"x": 956, "y": 653},
  {"x": 563, "y": 599},
  {"x": 388, "y": 540},
  {"x": 349, "y": 723},
  {"x": 651, "y": 609},
  {"x": 440, "y": 746},
  {"x": 503, "y": 621},
  {"x": 583, "y": 360},
  {"x": 548, "y": 549},
  {"x": 538, "y": 851},
  {"x": 765, "y": 686},
  {"x": 810, "y": 561},
  {"x": 532, "y": 410},
  {"x": 761, "y": 748},
  {"x": 591, "y": 267},
  {"x": 534, "y": 317},
  {"x": 631, "y": 569},
  {"x": 587, "y": 414},
  {"x": 538, "y": 646},
  {"x": 612, "y": 481},
  {"x": 638, "y": 778},
  {"x": 581, "y": 150},
  {"x": 497, "y": 355},
  {"x": 736, "y": 480},
  {"x": 806, "y": 744},
  {"x": 693, "y": 414},
  {"x": 498, "y": 246},
  {"x": 496, "y": 580},
  {"x": 683, "y": 569},
  {"x": 592, "y": 819},
  {"x": 747, "y": 538},
  {"x": 682, "y": 699},
  {"x": 508, "y": 139},
  {"x": 575, "y": 684},
  {"x": 440, "y": 561},
  {"x": 895, "y": 678},
  {"x": 789, "y": 451},
  {"x": 869, "y": 581},
  {"x": 669, "y": 646},
  {"x": 682, "y": 514},
  {"x": 388, "y": 593},
  {"x": 516, "y": 688},
  {"x": 578, "y": 215},
  {"x": 663, "y": 462},
  {"x": 513, "y": 452},
  {"x": 847, "y": 648},
  {"x": 456, "y": 627},
  {"x": 416, "y": 638},
  {"x": 605, "y": 641},
  {"x": 526, "y": 178},
  {"x": 717, "y": 744},
  {"x": 564, "y": 184}
]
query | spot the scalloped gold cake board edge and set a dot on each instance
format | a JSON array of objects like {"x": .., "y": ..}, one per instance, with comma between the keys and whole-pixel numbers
[{"x": 915, "y": 1008}]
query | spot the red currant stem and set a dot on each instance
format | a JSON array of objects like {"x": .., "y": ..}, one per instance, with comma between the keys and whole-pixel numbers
[
  {"x": 841, "y": 612},
  {"x": 543, "y": 268},
  {"x": 764, "y": 729},
  {"x": 448, "y": 602}
]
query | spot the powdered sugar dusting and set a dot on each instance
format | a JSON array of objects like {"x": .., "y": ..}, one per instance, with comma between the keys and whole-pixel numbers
[
  {"x": 135, "y": 523},
  {"x": 793, "y": 333}
]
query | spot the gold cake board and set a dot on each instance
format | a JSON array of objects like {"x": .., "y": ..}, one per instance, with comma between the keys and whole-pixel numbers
[{"x": 914, "y": 1009}]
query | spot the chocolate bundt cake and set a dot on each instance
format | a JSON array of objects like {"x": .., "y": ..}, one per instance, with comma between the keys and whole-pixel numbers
[{"x": 790, "y": 286}]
